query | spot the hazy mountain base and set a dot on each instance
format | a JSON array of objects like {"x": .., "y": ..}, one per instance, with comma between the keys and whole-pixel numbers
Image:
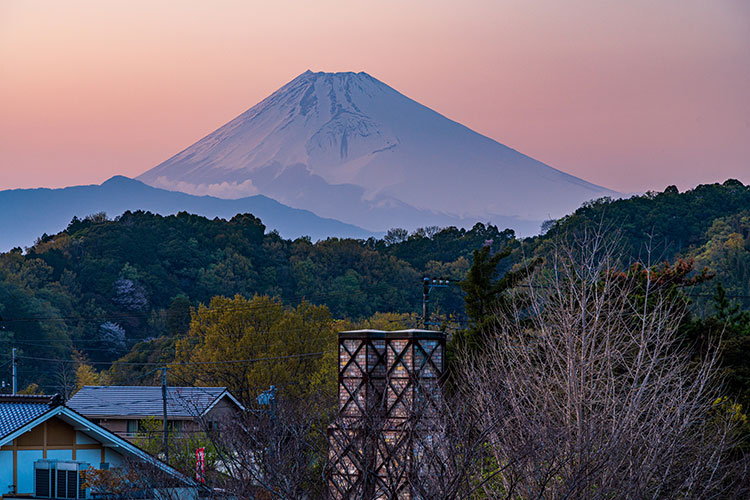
[
  {"x": 296, "y": 186},
  {"x": 26, "y": 213}
]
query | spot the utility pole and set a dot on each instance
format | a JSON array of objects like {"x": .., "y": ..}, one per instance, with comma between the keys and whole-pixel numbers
[
  {"x": 164, "y": 406},
  {"x": 425, "y": 300},
  {"x": 268, "y": 398},
  {"x": 15, "y": 373},
  {"x": 427, "y": 285}
]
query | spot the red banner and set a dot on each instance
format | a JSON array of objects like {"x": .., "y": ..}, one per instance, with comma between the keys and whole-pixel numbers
[{"x": 200, "y": 465}]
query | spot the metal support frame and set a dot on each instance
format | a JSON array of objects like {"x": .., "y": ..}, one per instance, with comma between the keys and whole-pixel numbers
[{"x": 381, "y": 378}]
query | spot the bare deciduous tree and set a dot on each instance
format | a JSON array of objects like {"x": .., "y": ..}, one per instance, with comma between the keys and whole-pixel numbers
[
  {"x": 66, "y": 379},
  {"x": 135, "y": 479},
  {"x": 593, "y": 392},
  {"x": 450, "y": 445},
  {"x": 279, "y": 456}
]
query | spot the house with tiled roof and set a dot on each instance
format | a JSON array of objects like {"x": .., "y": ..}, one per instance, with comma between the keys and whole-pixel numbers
[
  {"x": 47, "y": 449},
  {"x": 121, "y": 409}
]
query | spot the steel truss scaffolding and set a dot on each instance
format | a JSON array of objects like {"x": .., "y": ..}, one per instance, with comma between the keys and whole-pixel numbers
[{"x": 388, "y": 382}]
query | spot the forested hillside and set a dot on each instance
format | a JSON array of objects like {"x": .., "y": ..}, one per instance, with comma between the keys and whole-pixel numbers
[
  {"x": 710, "y": 224},
  {"x": 97, "y": 289}
]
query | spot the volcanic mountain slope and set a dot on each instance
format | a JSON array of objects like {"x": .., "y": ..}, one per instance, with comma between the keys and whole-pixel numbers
[{"x": 347, "y": 146}]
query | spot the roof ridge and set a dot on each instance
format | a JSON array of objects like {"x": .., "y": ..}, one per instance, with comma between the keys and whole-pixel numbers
[
  {"x": 47, "y": 399},
  {"x": 201, "y": 387}
]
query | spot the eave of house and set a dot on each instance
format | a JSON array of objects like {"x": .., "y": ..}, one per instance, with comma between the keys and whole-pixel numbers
[
  {"x": 138, "y": 417},
  {"x": 225, "y": 394}
]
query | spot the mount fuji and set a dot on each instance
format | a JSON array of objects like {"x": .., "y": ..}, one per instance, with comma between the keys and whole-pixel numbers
[{"x": 349, "y": 147}]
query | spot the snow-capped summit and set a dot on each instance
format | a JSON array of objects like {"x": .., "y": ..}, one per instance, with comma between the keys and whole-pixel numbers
[{"x": 348, "y": 146}]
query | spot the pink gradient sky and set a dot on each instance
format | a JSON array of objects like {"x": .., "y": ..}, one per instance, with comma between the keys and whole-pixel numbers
[{"x": 633, "y": 95}]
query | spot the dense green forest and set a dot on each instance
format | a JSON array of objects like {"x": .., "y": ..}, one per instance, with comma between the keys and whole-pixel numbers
[
  {"x": 710, "y": 224},
  {"x": 107, "y": 288}
]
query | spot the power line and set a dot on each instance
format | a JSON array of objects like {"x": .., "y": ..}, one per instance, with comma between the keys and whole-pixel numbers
[
  {"x": 186, "y": 363},
  {"x": 147, "y": 314},
  {"x": 298, "y": 297},
  {"x": 43, "y": 342},
  {"x": 711, "y": 295},
  {"x": 247, "y": 307},
  {"x": 134, "y": 315},
  {"x": 706, "y": 295}
]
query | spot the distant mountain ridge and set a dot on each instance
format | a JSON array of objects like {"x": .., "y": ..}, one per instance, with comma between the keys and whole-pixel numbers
[
  {"x": 27, "y": 213},
  {"x": 348, "y": 146}
]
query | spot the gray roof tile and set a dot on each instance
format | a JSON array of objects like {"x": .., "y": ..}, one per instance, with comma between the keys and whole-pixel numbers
[
  {"x": 17, "y": 411},
  {"x": 143, "y": 401}
]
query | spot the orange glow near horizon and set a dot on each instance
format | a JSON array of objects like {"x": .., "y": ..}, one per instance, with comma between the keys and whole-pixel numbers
[{"x": 630, "y": 95}]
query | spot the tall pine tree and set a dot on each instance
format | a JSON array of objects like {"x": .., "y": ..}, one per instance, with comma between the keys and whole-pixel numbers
[{"x": 486, "y": 288}]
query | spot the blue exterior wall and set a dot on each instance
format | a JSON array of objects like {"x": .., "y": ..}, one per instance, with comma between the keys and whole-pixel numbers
[
  {"x": 91, "y": 457},
  {"x": 6, "y": 471},
  {"x": 26, "y": 459},
  {"x": 112, "y": 457},
  {"x": 59, "y": 454}
]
